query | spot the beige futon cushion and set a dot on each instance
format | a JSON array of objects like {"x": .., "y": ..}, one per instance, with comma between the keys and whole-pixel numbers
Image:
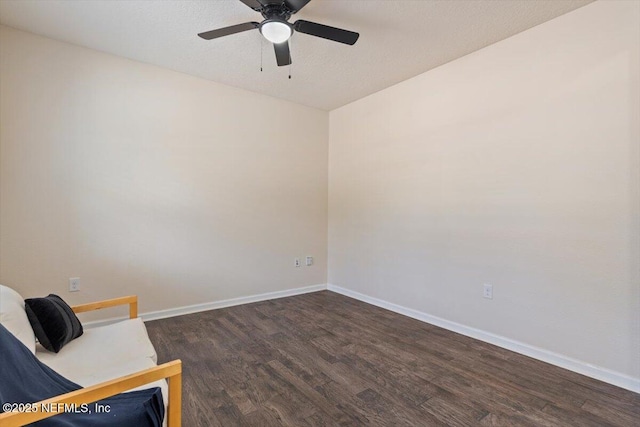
[{"x": 14, "y": 318}]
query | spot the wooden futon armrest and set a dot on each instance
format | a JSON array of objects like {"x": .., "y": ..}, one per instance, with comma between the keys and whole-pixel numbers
[
  {"x": 171, "y": 371},
  {"x": 132, "y": 300}
]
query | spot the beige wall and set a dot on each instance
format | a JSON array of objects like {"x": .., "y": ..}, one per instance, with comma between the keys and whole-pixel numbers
[
  {"x": 142, "y": 180},
  {"x": 515, "y": 166}
]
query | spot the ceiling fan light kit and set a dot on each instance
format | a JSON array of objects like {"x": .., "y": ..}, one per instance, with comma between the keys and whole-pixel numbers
[
  {"x": 276, "y": 31},
  {"x": 276, "y": 28}
]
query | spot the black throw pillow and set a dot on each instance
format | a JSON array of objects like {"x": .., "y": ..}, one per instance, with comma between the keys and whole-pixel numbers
[{"x": 53, "y": 322}]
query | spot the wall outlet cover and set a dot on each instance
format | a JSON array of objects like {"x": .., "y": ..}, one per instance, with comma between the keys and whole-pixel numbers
[
  {"x": 74, "y": 284},
  {"x": 488, "y": 291}
]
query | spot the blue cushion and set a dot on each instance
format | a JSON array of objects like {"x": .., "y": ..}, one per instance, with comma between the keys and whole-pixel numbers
[{"x": 24, "y": 379}]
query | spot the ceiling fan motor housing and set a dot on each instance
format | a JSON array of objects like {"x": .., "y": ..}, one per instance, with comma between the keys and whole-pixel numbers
[{"x": 276, "y": 11}]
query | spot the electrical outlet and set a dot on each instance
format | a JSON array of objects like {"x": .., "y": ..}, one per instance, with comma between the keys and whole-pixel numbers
[
  {"x": 488, "y": 291},
  {"x": 296, "y": 262},
  {"x": 74, "y": 284},
  {"x": 309, "y": 261}
]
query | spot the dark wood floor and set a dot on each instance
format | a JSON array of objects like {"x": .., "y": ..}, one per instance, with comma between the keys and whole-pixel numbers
[{"x": 325, "y": 359}]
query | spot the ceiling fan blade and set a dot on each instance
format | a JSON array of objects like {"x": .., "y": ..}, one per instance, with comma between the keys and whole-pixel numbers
[
  {"x": 253, "y": 4},
  {"x": 326, "y": 32},
  {"x": 283, "y": 54},
  {"x": 296, "y": 5},
  {"x": 221, "y": 32}
]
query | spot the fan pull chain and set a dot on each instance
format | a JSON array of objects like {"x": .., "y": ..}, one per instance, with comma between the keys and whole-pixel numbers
[
  {"x": 261, "y": 49},
  {"x": 290, "y": 61}
]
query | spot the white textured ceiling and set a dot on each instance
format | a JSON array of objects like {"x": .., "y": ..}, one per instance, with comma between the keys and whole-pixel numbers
[{"x": 398, "y": 39}]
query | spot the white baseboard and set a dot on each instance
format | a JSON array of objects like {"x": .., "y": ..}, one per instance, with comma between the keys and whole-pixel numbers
[
  {"x": 213, "y": 305},
  {"x": 599, "y": 373}
]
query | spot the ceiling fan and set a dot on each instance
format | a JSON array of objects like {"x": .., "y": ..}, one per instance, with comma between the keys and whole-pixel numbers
[{"x": 276, "y": 28}]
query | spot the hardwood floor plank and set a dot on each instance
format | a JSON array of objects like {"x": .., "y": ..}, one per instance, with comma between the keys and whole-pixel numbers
[
  {"x": 502, "y": 420},
  {"x": 573, "y": 417},
  {"x": 261, "y": 418},
  {"x": 454, "y": 412},
  {"x": 619, "y": 414},
  {"x": 329, "y": 410}
]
